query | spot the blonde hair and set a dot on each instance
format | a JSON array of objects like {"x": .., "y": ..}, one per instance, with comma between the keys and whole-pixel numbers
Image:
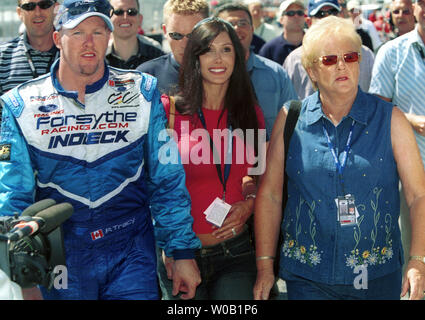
[
  {"x": 315, "y": 36},
  {"x": 185, "y": 7}
]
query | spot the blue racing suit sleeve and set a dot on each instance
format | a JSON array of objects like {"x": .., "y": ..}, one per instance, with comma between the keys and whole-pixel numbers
[
  {"x": 170, "y": 202},
  {"x": 17, "y": 182}
]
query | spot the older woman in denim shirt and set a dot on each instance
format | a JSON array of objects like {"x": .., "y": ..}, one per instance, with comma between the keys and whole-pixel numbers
[{"x": 346, "y": 156}]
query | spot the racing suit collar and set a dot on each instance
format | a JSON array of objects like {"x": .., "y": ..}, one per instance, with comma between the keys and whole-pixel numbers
[{"x": 74, "y": 94}]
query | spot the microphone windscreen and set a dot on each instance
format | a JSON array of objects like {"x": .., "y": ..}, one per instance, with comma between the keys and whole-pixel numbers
[
  {"x": 35, "y": 208},
  {"x": 54, "y": 216}
]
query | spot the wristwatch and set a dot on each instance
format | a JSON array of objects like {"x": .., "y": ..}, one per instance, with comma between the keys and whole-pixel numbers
[{"x": 419, "y": 258}]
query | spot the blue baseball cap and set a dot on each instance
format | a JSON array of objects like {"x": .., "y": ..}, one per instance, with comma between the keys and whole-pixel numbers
[
  {"x": 315, "y": 5},
  {"x": 72, "y": 12}
]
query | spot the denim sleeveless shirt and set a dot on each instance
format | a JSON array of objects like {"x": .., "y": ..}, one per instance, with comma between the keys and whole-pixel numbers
[{"x": 316, "y": 246}]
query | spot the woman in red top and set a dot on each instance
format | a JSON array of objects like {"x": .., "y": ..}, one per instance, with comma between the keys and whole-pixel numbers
[{"x": 216, "y": 125}]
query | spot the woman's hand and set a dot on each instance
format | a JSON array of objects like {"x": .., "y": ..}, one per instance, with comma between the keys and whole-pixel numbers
[
  {"x": 236, "y": 219},
  {"x": 414, "y": 280},
  {"x": 265, "y": 280}
]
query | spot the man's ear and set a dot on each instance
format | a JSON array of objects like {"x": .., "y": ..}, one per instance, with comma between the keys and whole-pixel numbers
[
  {"x": 19, "y": 13},
  {"x": 56, "y": 39}
]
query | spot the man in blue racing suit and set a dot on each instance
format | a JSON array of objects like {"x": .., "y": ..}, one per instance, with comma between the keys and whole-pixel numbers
[{"x": 92, "y": 135}]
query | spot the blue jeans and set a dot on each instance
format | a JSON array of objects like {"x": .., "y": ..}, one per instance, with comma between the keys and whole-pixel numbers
[
  {"x": 384, "y": 288},
  {"x": 228, "y": 271}
]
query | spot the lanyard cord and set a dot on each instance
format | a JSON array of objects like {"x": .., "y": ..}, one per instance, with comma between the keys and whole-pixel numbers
[
  {"x": 228, "y": 160},
  {"x": 340, "y": 165},
  {"x": 31, "y": 63}
]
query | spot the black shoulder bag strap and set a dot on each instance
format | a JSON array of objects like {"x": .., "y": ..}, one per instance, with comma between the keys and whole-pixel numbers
[{"x": 291, "y": 122}]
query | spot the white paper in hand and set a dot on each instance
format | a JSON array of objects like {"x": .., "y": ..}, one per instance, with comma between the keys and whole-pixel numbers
[{"x": 217, "y": 212}]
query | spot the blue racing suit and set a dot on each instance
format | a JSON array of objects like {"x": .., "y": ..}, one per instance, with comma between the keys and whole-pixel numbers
[{"x": 105, "y": 158}]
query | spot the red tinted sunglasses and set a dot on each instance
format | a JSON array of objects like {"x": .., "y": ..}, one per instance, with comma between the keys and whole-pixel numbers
[{"x": 333, "y": 59}]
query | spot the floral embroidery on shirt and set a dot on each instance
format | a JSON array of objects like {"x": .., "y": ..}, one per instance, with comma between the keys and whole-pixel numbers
[
  {"x": 375, "y": 255},
  {"x": 292, "y": 248}
]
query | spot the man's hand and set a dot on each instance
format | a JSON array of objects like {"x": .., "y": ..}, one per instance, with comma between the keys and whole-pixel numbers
[
  {"x": 186, "y": 277},
  {"x": 168, "y": 263}
]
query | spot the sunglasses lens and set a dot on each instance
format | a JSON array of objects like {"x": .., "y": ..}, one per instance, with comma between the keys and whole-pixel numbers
[
  {"x": 290, "y": 13},
  {"x": 132, "y": 12},
  {"x": 300, "y": 13},
  {"x": 329, "y": 60},
  {"x": 351, "y": 57},
  {"x": 45, "y": 4},
  {"x": 29, "y": 6},
  {"x": 119, "y": 12},
  {"x": 325, "y": 13},
  {"x": 176, "y": 36}
]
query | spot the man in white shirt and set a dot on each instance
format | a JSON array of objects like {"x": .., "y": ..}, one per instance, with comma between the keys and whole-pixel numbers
[
  {"x": 354, "y": 11},
  {"x": 264, "y": 30}
]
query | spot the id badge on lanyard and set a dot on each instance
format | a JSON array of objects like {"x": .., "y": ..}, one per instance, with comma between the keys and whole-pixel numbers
[
  {"x": 347, "y": 211},
  {"x": 347, "y": 214}
]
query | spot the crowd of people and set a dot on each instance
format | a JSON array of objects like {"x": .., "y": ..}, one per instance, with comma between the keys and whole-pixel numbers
[{"x": 173, "y": 154}]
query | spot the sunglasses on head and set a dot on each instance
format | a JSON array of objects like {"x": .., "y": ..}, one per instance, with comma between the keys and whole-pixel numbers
[
  {"x": 44, "y": 4},
  {"x": 324, "y": 13},
  {"x": 178, "y": 36},
  {"x": 80, "y": 8},
  {"x": 292, "y": 13},
  {"x": 333, "y": 59},
  {"x": 131, "y": 12}
]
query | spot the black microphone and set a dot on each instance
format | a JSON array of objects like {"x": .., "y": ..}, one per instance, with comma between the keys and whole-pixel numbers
[
  {"x": 45, "y": 221},
  {"x": 35, "y": 208}
]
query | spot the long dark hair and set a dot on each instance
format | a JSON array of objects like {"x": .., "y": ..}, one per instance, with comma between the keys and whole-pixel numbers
[{"x": 239, "y": 100}]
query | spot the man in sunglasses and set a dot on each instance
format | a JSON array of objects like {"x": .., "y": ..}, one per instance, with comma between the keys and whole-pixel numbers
[
  {"x": 127, "y": 49},
  {"x": 179, "y": 16},
  {"x": 398, "y": 77},
  {"x": 31, "y": 54},
  {"x": 271, "y": 83},
  {"x": 318, "y": 9},
  {"x": 402, "y": 17},
  {"x": 291, "y": 17},
  {"x": 92, "y": 135}
]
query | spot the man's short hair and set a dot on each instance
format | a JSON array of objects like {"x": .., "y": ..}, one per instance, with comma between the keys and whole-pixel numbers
[
  {"x": 186, "y": 7},
  {"x": 230, "y": 7},
  {"x": 137, "y": 5}
]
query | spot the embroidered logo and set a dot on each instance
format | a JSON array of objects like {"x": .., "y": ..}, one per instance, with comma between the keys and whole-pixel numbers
[{"x": 5, "y": 152}]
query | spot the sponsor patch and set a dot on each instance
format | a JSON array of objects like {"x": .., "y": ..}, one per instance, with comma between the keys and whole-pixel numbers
[
  {"x": 117, "y": 83},
  {"x": 5, "y": 152},
  {"x": 48, "y": 108}
]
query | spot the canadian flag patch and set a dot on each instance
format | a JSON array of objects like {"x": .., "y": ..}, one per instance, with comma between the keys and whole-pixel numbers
[{"x": 97, "y": 234}]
